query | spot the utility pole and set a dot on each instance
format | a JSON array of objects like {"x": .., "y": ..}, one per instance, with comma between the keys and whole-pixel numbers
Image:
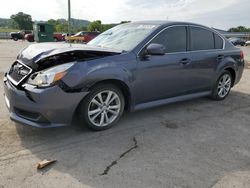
[{"x": 69, "y": 18}]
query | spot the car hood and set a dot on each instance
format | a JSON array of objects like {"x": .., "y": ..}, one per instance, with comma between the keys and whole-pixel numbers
[{"x": 36, "y": 52}]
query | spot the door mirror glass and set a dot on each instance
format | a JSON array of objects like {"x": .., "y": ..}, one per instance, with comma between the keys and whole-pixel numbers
[{"x": 155, "y": 49}]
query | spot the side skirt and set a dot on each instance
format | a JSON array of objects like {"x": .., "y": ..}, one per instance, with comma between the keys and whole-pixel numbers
[{"x": 170, "y": 100}]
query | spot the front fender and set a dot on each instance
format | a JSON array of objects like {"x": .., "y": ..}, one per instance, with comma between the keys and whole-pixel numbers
[{"x": 86, "y": 74}]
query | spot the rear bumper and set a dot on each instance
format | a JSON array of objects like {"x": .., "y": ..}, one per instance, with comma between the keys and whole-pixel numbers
[{"x": 43, "y": 108}]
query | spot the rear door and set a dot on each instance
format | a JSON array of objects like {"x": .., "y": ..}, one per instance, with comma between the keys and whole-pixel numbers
[{"x": 206, "y": 51}]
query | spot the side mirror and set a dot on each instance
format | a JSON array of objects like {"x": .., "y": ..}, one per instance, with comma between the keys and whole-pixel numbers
[{"x": 155, "y": 49}]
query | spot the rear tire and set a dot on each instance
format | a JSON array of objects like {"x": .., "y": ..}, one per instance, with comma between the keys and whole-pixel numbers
[
  {"x": 102, "y": 108},
  {"x": 222, "y": 87}
]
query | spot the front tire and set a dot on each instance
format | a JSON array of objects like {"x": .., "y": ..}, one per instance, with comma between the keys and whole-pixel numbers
[
  {"x": 102, "y": 108},
  {"x": 222, "y": 87}
]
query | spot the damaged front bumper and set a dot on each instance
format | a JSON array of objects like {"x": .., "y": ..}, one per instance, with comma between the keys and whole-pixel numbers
[{"x": 43, "y": 108}]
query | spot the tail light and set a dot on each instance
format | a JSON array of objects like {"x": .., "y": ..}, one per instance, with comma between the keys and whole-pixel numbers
[{"x": 241, "y": 55}]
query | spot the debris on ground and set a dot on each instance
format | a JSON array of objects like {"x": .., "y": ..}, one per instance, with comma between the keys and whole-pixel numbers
[{"x": 44, "y": 163}]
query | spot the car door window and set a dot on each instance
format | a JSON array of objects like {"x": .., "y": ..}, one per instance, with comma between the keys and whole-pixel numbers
[
  {"x": 201, "y": 39},
  {"x": 174, "y": 39}
]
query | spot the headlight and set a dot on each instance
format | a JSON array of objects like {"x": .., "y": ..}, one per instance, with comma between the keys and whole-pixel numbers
[{"x": 49, "y": 76}]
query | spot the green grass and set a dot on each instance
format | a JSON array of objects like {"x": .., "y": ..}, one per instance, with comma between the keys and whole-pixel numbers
[{"x": 2, "y": 29}]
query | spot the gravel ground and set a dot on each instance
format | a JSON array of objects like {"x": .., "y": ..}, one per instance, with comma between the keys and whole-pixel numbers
[{"x": 198, "y": 143}]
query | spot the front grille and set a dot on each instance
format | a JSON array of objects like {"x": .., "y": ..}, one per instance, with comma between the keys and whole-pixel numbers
[{"x": 18, "y": 72}]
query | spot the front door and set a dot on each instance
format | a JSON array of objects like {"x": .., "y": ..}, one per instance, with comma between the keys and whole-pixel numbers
[{"x": 164, "y": 76}]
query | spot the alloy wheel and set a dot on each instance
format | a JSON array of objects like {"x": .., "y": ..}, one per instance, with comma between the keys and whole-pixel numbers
[
  {"x": 104, "y": 108},
  {"x": 224, "y": 85}
]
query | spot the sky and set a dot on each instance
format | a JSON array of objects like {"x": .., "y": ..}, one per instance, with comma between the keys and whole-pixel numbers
[{"x": 221, "y": 14}]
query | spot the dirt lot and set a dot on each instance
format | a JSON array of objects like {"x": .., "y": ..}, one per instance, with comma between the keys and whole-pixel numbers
[{"x": 199, "y": 143}]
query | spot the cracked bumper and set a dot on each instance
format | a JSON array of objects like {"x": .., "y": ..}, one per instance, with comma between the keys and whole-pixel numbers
[{"x": 43, "y": 108}]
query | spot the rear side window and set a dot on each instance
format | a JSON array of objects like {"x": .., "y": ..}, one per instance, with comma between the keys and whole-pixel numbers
[
  {"x": 201, "y": 39},
  {"x": 174, "y": 39},
  {"x": 218, "y": 41}
]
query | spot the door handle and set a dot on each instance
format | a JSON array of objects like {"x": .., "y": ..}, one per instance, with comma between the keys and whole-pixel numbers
[
  {"x": 185, "y": 61},
  {"x": 220, "y": 57}
]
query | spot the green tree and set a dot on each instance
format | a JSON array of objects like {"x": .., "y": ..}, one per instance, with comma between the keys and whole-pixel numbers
[
  {"x": 62, "y": 27},
  {"x": 12, "y": 24},
  {"x": 122, "y": 22},
  {"x": 54, "y": 23},
  {"x": 95, "y": 26},
  {"x": 82, "y": 28},
  {"x": 239, "y": 29},
  {"x": 107, "y": 26},
  {"x": 24, "y": 21}
]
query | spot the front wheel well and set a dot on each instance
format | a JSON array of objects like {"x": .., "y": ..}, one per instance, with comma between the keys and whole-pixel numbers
[
  {"x": 232, "y": 72},
  {"x": 120, "y": 85}
]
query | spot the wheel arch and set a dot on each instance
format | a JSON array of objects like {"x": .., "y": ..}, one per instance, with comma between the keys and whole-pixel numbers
[
  {"x": 227, "y": 64},
  {"x": 120, "y": 85},
  {"x": 233, "y": 74}
]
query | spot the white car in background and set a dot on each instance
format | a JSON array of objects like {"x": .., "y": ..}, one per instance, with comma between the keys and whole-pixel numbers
[{"x": 247, "y": 43}]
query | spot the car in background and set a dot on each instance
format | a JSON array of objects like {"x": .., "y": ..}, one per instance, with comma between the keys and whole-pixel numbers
[
  {"x": 82, "y": 36},
  {"x": 131, "y": 67},
  {"x": 66, "y": 34},
  {"x": 247, "y": 43},
  {"x": 19, "y": 35},
  {"x": 29, "y": 37},
  {"x": 237, "y": 41},
  {"x": 57, "y": 37}
]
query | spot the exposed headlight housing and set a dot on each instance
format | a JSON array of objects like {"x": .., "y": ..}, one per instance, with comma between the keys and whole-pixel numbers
[{"x": 49, "y": 76}]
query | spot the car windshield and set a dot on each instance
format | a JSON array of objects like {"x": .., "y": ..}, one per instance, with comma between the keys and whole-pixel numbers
[{"x": 123, "y": 37}]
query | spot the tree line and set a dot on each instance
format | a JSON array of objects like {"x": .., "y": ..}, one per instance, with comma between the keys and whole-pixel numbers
[
  {"x": 24, "y": 21},
  {"x": 239, "y": 29}
]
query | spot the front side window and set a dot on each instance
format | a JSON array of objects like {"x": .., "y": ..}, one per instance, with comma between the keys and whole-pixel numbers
[
  {"x": 174, "y": 39},
  {"x": 201, "y": 39}
]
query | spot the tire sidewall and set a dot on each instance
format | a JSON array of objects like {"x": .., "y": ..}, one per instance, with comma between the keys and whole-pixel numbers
[{"x": 85, "y": 105}]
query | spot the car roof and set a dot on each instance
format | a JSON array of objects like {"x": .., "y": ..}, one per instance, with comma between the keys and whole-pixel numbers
[{"x": 167, "y": 22}]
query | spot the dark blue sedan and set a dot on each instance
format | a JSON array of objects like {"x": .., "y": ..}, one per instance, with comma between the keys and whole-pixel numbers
[{"x": 132, "y": 66}]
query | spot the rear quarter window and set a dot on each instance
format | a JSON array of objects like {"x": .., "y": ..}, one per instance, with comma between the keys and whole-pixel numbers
[{"x": 218, "y": 41}]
